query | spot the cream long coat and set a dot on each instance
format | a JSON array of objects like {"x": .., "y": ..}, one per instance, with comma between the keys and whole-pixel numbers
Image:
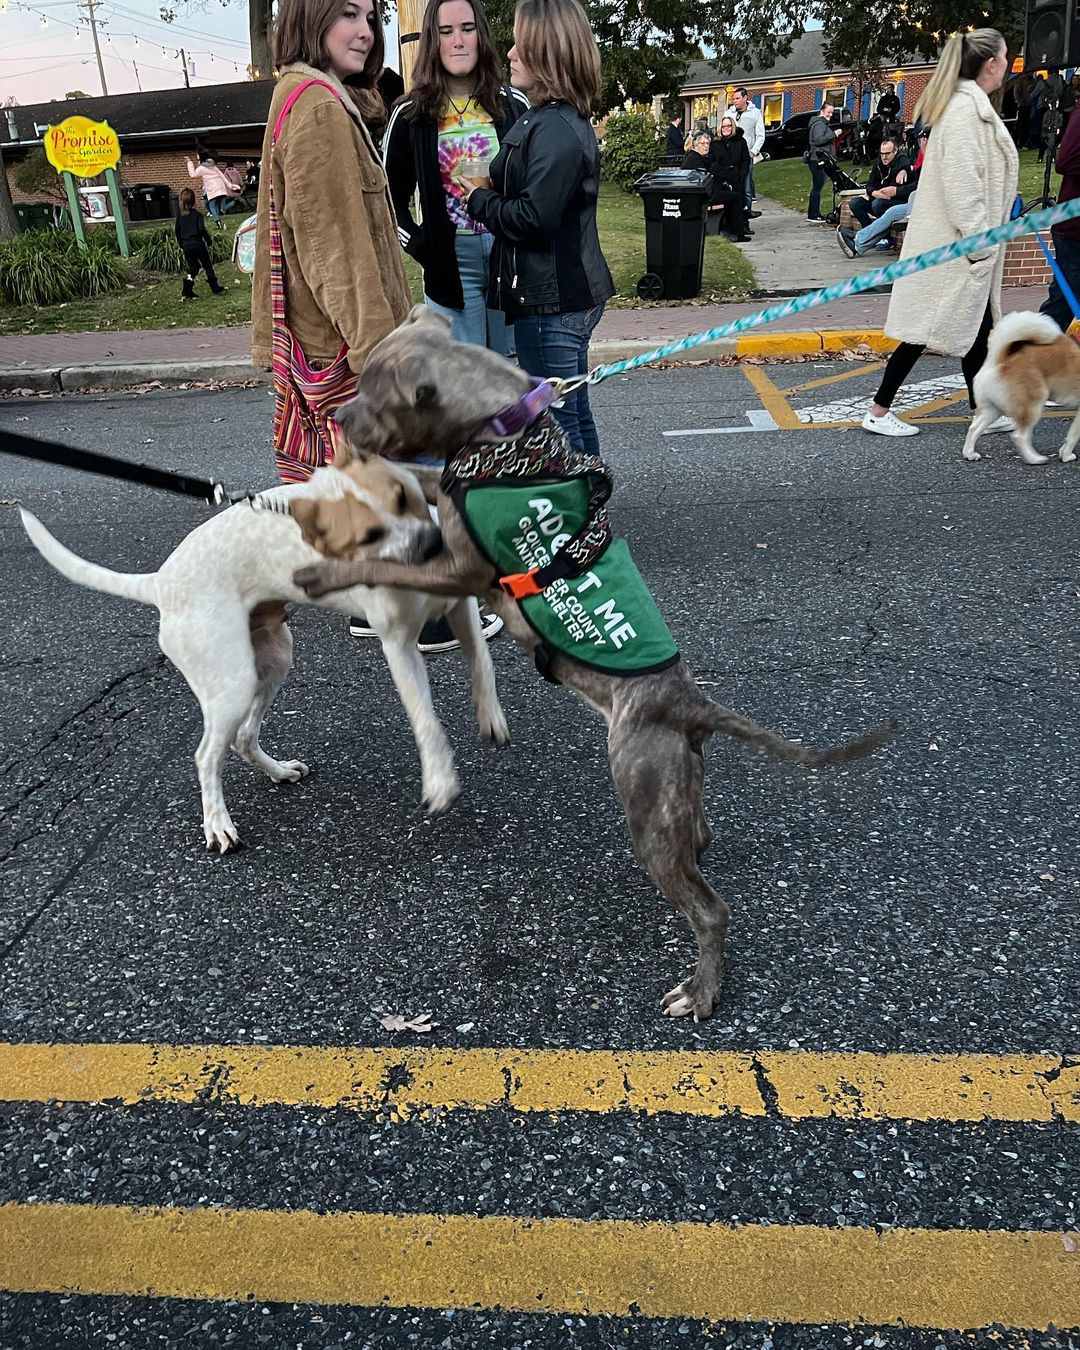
[{"x": 967, "y": 184}]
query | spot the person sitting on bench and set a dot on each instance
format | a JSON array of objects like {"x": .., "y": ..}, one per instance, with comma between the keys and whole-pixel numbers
[
  {"x": 881, "y": 185},
  {"x": 724, "y": 163},
  {"x": 875, "y": 234}
]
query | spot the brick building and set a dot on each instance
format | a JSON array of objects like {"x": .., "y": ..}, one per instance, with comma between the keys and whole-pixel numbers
[
  {"x": 798, "y": 83},
  {"x": 158, "y": 129}
]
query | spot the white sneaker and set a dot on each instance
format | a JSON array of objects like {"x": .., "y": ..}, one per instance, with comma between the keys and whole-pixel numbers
[
  {"x": 1002, "y": 423},
  {"x": 889, "y": 425}
]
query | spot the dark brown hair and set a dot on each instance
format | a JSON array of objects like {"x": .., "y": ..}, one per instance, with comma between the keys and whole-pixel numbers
[
  {"x": 300, "y": 31},
  {"x": 187, "y": 201},
  {"x": 555, "y": 41},
  {"x": 428, "y": 93}
]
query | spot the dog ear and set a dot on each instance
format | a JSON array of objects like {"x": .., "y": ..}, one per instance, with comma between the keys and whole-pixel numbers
[
  {"x": 425, "y": 396},
  {"x": 307, "y": 514}
]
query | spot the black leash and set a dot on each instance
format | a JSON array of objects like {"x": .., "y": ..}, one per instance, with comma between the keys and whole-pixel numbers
[{"x": 90, "y": 461}]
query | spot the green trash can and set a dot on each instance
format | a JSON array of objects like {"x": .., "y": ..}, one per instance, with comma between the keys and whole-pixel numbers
[{"x": 34, "y": 216}]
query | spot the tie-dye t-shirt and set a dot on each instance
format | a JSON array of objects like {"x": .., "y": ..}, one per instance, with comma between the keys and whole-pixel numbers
[{"x": 465, "y": 132}]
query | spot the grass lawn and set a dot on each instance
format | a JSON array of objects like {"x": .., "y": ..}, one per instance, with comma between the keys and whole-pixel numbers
[
  {"x": 788, "y": 180},
  {"x": 151, "y": 300}
]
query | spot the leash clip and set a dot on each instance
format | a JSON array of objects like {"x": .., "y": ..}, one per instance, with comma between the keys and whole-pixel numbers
[{"x": 520, "y": 585}]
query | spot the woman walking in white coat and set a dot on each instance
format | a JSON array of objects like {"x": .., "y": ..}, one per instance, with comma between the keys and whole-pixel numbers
[{"x": 967, "y": 184}]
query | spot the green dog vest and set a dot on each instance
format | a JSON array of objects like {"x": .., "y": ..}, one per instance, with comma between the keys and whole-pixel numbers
[{"x": 605, "y": 617}]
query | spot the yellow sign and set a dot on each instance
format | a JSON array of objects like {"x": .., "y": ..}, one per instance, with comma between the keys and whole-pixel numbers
[{"x": 82, "y": 147}]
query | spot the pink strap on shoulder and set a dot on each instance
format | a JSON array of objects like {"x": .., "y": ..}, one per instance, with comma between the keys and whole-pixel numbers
[{"x": 287, "y": 105}]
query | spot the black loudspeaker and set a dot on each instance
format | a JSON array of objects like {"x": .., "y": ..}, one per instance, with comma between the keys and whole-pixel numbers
[{"x": 1053, "y": 34}]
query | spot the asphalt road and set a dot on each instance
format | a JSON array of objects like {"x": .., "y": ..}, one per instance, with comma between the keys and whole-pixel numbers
[{"x": 922, "y": 902}]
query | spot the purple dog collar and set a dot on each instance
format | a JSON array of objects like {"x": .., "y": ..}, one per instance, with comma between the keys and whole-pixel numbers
[{"x": 513, "y": 420}]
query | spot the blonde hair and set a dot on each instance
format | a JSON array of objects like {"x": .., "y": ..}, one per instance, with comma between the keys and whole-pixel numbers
[
  {"x": 555, "y": 41},
  {"x": 962, "y": 58}
]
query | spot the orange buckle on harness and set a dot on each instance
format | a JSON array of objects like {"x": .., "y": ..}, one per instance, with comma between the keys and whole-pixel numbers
[{"x": 519, "y": 585}]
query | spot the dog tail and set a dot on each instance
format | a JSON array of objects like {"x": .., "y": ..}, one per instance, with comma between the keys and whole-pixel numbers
[
  {"x": 131, "y": 585},
  {"x": 1015, "y": 330},
  {"x": 717, "y": 718}
]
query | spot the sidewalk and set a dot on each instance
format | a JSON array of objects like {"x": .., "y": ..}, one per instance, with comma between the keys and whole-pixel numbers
[{"x": 788, "y": 256}]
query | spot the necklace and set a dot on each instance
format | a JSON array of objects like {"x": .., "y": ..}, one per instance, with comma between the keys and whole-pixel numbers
[{"x": 460, "y": 111}]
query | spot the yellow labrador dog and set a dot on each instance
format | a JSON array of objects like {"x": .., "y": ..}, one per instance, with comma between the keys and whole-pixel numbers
[{"x": 222, "y": 594}]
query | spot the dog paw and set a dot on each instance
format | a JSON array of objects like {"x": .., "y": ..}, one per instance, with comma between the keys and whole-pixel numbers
[
  {"x": 220, "y": 832},
  {"x": 690, "y": 999},
  {"x": 1067, "y": 456},
  {"x": 441, "y": 794},
  {"x": 289, "y": 771},
  {"x": 493, "y": 726},
  {"x": 971, "y": 454}
]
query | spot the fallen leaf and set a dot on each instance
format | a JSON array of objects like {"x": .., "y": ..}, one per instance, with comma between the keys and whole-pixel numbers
[
  {"x": 1068, "y": 1241},
  {"x": 761, "y": 546},
  {"x": 395, "y": 1022}
]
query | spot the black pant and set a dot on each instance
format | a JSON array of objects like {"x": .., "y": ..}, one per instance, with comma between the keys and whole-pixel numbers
[
  {"x": 733, "y": 201},
  {"x": 866, "y": 211},
  {"x": 903, "y": 359},
  {"x": 198, "y": 255}
]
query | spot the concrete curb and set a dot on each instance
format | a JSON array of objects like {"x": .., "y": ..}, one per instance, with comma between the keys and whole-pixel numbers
[{"x": 76, "y": 379}]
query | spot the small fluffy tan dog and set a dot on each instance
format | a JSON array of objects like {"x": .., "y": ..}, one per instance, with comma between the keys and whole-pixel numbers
[{"x": 1028, "y": 361}]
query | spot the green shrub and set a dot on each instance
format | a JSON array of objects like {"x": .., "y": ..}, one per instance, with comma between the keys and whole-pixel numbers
[
  {"x": 48, "y": 268},
  {"x": 157, "y": 250},
  {"x": 631, "y": 147}
]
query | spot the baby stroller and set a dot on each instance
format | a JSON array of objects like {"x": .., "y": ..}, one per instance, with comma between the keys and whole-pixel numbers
[{"x": 841, "y": 182}]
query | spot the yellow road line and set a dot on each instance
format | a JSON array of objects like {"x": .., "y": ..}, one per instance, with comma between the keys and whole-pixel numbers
[
  {"x": 945, "y": 1279},
  {"x": 863, "y": 368},
  {"x": 405, "y": 1081},
  {"x": 772, "y": 398},
  {"x": 936, "y": 405}
]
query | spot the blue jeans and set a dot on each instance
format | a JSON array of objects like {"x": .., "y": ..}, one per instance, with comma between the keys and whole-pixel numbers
[
  {"x": 1067, "y": 253},
  {"x": 558, "y": 345},
  {"x": 475, "y": 323},
  {"x": 877, "y": 229},
  {"x": 817, "y": 182}
]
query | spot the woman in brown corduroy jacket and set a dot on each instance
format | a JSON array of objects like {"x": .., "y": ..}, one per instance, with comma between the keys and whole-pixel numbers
[{"x": 344, "y": 281}]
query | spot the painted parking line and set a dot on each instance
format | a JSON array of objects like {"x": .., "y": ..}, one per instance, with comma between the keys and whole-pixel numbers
[
  {"x": 759, "y": 419},
  {"x": 920, "y": 402},
  {"x": 942, "y": 1279},
  {"x": 402, "y": 1082}
]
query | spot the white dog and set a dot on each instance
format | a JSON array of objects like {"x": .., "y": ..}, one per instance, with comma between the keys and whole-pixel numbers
[{"x": 222, "y": 595}]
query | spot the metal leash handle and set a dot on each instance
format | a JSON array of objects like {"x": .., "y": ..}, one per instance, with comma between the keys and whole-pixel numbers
[{"x": 879, "y": 276}]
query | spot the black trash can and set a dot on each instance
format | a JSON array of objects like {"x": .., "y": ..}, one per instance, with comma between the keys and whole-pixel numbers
[
  {"x": 134, "y": 203},
  {"x": 676, "y": 208}
]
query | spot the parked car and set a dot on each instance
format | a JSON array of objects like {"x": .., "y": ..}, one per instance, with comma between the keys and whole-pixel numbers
[{"x": 788, "y": 140}]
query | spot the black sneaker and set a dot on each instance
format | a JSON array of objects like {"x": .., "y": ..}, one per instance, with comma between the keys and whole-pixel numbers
[
  {"x": 753, "y": 215},
  {"x": 435, "y": 636},
  {"x": 846, "y": 240},
  {"x": 358, "y": 627}
]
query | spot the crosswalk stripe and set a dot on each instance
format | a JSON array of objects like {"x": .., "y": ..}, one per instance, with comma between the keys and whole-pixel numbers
[
  {"x": 944, "y": 1279},
  {"x": 403, "y": 1081}
]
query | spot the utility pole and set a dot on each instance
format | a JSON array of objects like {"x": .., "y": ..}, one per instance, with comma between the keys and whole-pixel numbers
[
  {"x": 138, "y": 82},
  {"x": 410, "y": 16},
  {"x": 183, "y": 62},
  {"x": 90, "y": 6}
]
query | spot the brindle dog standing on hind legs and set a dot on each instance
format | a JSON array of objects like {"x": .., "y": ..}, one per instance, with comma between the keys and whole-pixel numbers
[{"x": 421, "y": 390}]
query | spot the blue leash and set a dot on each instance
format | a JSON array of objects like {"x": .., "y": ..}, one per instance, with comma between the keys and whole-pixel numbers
[
  {"x": 1059, "y": 277},
  {"x": 880, "y": 276}
]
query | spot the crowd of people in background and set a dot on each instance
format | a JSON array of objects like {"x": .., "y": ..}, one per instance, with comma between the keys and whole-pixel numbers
[{"x": 728, "y": 156}]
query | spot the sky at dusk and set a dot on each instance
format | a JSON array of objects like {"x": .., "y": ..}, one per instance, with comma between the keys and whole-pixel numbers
[{"x": 46, "y": 49}]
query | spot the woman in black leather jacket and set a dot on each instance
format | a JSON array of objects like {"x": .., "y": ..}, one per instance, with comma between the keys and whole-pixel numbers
[
  {"x": 548, "y": 274},
  {"x": 729, "y": 164}
]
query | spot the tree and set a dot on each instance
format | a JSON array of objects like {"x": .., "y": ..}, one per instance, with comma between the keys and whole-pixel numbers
[
  {"x": 36, "y": 177},
  {"x": 872, "y": 33},
  {"x": 9, "y": 224}
]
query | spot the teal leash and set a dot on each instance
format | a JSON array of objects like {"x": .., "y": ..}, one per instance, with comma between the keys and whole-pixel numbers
[{"x": 905, "y": 267}]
